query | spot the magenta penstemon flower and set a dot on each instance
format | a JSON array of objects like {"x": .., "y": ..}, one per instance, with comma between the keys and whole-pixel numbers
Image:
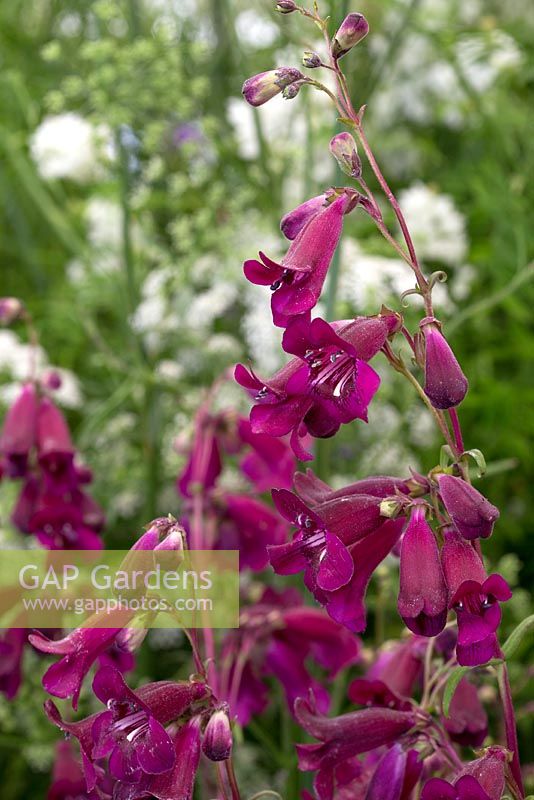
[
  {"x": 328, "y": 384},
  {"x": 131, "y": 731},
  {"x": 422, "y": 601},
  {"x": 19, "y": 432},
  {"x": 475, "y": 599},
  {"x": 296, "y": 282}
]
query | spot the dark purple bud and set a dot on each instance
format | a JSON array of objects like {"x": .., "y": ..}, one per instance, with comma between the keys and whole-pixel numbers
[
  {"x": 343, "y": 148},
  {"x": 445, "y": 383},
  {"x": 473, "y": 515},
  {"x": 351, "y": 31},
  {"x": 422, "y": 601},
  {"x": 260, "y": 88},
  {"x": 311, "y": 60},
  {"x": 286, "y": 6},
  {"x": 217, "y": 741},
  {"x": 11, "y": 309},
  {"x": 51, "y": 380}
]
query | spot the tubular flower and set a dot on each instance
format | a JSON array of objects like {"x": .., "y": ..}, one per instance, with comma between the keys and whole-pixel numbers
[
  {"x": 313, "y": 491},
  {"x": 329, "y": 383},
  {"x": 422, "y": 601},
  {"x": 320, "y": 546},
  {"x": 296, "y": 282},
  {"x": 472, "y": 514},
  {"x": 12, "y": 642},
  {"x": 475, "y": 599},
  {"x": 131, "y": 731},
  {"x": 78, "y": 651},
  {"x": 19, "y": 432},
  {"x": 341, "y": 738},
  {"x": 445, "y": 383},
  {"x": 217, "y": 740},
  {"x": 347, "y": 604}
]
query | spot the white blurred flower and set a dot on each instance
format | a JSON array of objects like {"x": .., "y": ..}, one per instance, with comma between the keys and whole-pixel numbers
[
  {"x": 68, "y": 146},
  {"x": 149, "y": 313},
  {"x": 223, "y": 345},
  {"x": 68, "y": 393},
  {"x": 365, "y": 278},
  {"x": 483, "y": 56},
  {"x": 211, "y": 304},
  {"x": 169, "y": 370},
  {"x": 437, "y": 227},
  {"x": 263, "y": 339},
  {"x": 281, "y": 126},
  {"x": 104, "y": 223},
  {"x": 9, "y": 344},
  {"x": 255, "y": 30}
]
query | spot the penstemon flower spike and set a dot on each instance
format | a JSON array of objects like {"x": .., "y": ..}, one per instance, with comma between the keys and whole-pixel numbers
[{"x": 450, "y": 574}]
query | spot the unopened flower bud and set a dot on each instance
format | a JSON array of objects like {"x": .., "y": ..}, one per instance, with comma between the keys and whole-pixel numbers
[
  {"x": 311, "y": 59},
  {"x": 11, "y": 309},
  {"x": 343, "y": 148},
  {"x": 286, "y": 6},
  {"x": 217, "y": 741},
  {"x": 473, "y": 515},
  {"x": 260, "y": 88},
  {"x": 445, "y": 383},
  {"x": 351, "y": 31},
  {"x": 291, "y": 91}
]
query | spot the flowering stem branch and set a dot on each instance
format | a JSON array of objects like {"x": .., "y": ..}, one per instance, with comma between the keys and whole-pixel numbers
[
  {"x": 457, "y": 431},
  {"x": 509, "y": 723},
  {"x": 232, "y": 779}
]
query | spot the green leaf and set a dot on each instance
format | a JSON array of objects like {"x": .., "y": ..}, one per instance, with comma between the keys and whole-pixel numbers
[
  {"x": 445, "y": 456},
  {"x": 479, "y": 459},
  {"x": 450, "y": 687},
  {"x": 516, "y": 637}
]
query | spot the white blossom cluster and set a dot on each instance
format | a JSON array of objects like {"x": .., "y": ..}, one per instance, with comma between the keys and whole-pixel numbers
[
  {"x": 20, "y": 362},
  {"x": 69, "y": 146}
]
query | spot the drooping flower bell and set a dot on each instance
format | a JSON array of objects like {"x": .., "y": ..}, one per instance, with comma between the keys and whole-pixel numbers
[
  {"x": 313, "y": 490},
  {"x": 19, "y": 432},
  {"x": 297, "y": 281},
  {"x": 328, "y": 384},
  {"x": 260, "y": 88},
  {"x": 475, "y": 599},
  {"x": 422, "y": 601},
  {"x": 12, "y": 642},
  {"x": 473, "y": 515},
  {"x": 445, "y": 383},
  {"x": 68, "y": 781}
]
